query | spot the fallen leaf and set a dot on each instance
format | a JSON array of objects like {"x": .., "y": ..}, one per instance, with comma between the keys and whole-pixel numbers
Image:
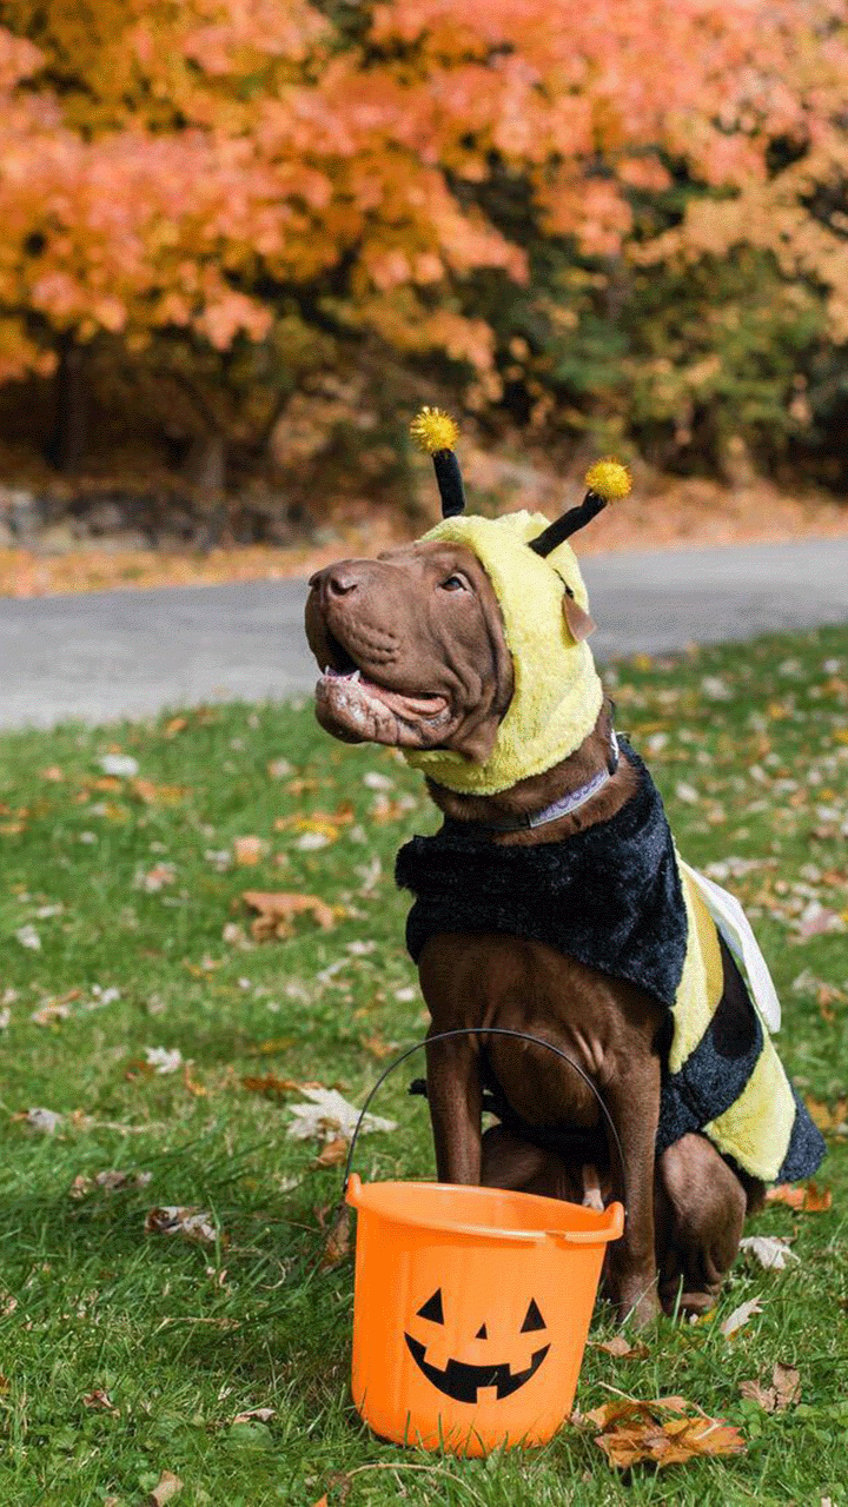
[
  {"x": 178, "y": 1219},
  {"x": 809, "y": 1200},
  {"x": 277, "y": 910},
  {"x": 101, "y": 1400},
  {"x": 378, "y": 1047},
  {"x": 771, "y": 1251},
  {"x": 247, "y": 851},
  {"x": 28, "y": 937},
  {"x": 45, "y": 1120},
  {"x": 111, "y": 1181},
  {"x": 176, "y": 725},
  {"x": 740, "y": 1317},
  {"x": 194, "y": 1086},
  {"x": 328, "y": 1115},
  {"x": 51, "y": 1012},
  {"x": 829, "y": 1121},
  {"x": 334, "y": 1153},
  {"x": 269, "y": 1083},
  {"x": 279, "y": 769},
  {"x": 622, "y": 1349},
  {"x": 120, "y": 766},
  {"x": 163, "y": 1060},
  {"x": 784, "y": 1391},
  {"x": 262, "y": 1414},
  {"x": 337, "y": 1243},
  {"x": 158, "y": 795},
  {"x": 156, "y": 878},
  {"x": 665, "y": 1431},
  {"x": 168, "y": 1487},
  {"x": 235, "y": 936}
]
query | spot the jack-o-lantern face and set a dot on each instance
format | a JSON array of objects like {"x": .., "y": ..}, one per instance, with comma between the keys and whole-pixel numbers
[{"x": 460, "y": 1379}]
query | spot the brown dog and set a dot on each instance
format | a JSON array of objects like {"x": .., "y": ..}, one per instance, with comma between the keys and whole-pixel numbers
[{"x": 414, "y": 655}]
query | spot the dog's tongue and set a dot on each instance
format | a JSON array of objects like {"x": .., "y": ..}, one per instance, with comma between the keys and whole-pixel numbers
[{"x": 399, "y": 702}]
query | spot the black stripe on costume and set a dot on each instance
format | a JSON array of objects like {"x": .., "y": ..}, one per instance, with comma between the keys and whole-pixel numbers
[
  {"x": 806, "y": 1145},
  {"x": 716, "y": 1072}
]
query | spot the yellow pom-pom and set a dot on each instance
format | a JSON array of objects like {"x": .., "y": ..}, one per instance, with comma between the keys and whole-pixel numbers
[
  {"x": 608, "y": 479},
  {"x": 433, "y": 430}
]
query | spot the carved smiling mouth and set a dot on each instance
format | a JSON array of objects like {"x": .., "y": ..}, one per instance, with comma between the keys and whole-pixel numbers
[{"x": 461, "y": 1381}]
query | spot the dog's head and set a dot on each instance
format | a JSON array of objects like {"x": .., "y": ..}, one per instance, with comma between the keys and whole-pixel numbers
[{"x": 466, "y": 649}]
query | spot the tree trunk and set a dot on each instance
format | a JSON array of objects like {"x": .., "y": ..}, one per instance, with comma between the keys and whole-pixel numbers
[
  {"x": 206, "y": 470},
  {"x": 68, "y": 445}
]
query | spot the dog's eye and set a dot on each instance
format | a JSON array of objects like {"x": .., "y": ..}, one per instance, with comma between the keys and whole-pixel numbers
[{"x": 453, "y": 583}]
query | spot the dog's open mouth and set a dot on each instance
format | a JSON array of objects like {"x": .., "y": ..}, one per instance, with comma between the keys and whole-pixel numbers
[
  {"x": 404, "y": 704},
  {"x": 462, "y": 1381},
  {"x": 345, "y": 688}
]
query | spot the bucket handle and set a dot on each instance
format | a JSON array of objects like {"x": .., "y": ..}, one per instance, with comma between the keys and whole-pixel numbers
[{"x": 488, "y": 1031}]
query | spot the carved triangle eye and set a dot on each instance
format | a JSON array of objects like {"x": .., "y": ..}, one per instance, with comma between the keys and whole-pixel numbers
[
  {"x": 533, "y": 1319},
  {"x": 432, "y": 1309},
  {"x": 482, "y": 1333}
]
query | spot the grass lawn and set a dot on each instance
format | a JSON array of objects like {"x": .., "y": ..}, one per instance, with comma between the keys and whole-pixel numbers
[{"x": 128, "y": 1354}]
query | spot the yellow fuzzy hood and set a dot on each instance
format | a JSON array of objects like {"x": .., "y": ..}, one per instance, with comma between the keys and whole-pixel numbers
[{"x": 558, "y": 693}]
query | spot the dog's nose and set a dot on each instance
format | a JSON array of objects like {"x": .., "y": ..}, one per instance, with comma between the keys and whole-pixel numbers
[{"x": 341, "y": 581}]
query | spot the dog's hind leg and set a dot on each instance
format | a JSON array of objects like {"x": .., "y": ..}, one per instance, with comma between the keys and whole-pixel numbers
[
  {"x": 701, "y": 1206},
  {"x": 510, "y": 1162}
]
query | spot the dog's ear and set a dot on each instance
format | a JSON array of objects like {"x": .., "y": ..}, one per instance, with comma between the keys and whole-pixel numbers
[{"x": 580, "y": 623}]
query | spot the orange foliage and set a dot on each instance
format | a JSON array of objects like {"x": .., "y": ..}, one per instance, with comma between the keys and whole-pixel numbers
[{"x": 185, "y": 167}]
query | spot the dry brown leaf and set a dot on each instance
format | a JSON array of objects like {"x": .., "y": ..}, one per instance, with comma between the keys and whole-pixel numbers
[
  {"x": 277, "y": 910},
  {"x": 262, "y": 1414},
  {"x": 665, "y": 1431},
  {"x": 99, "y": 1398},
  {"x": 378, "y": 1047},
  {"x": 111, "y": 1180},
  {"x": 784, "y": 1392},
  {"x": 181, "y": 1219},
  {"x": 168, "y": 1487},
  {"x": 194, "y": 1086},
  {"x": 337, "y": 1244},
  {"x": 334, "y": 1153},
  {"x": 269, "y": 1083},
  {"x": 247, "y": 851},
  {"x": 830, "y": 1121},
  {"x": 622, "y": 1349},
  {"x": 809, "y": 1200},
  {"x": 157, "y": 795}
]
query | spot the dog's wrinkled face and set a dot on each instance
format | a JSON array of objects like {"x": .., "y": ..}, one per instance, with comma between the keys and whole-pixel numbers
[{"x": 412, "y": 650}]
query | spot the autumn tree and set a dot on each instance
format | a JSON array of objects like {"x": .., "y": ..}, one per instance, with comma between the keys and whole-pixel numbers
[{"x": 231, "y": 188}]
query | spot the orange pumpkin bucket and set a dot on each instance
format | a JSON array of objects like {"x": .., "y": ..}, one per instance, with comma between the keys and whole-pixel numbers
[{"x": 471, "y": 1305}]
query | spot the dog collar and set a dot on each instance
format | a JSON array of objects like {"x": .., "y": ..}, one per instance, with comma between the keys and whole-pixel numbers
[{"x": 566, "y": 803}]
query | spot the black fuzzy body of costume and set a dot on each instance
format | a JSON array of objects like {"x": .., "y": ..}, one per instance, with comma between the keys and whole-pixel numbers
[{"x": 609, "y": 896}]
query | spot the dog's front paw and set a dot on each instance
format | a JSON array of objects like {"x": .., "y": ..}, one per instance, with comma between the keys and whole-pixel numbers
[{"x": 637, "y": 1302}]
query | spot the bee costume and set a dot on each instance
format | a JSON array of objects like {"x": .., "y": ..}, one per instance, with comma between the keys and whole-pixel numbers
[{"x": 615, "y": 895}]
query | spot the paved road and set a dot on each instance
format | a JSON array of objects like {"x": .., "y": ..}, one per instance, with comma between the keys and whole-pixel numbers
[{"x": 112, "y": 654}]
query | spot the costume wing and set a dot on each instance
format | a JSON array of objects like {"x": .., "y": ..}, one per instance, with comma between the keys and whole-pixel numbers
[{"x": 735, "y": 928}]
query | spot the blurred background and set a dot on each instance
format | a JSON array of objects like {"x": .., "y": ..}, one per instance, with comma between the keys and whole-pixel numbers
[{"x": 242, "y": 240}]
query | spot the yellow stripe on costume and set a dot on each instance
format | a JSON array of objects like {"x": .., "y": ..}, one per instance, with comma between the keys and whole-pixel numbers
[
  {"x": 756, "y": 1129},
  {"x": 701, "y": 982}
]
